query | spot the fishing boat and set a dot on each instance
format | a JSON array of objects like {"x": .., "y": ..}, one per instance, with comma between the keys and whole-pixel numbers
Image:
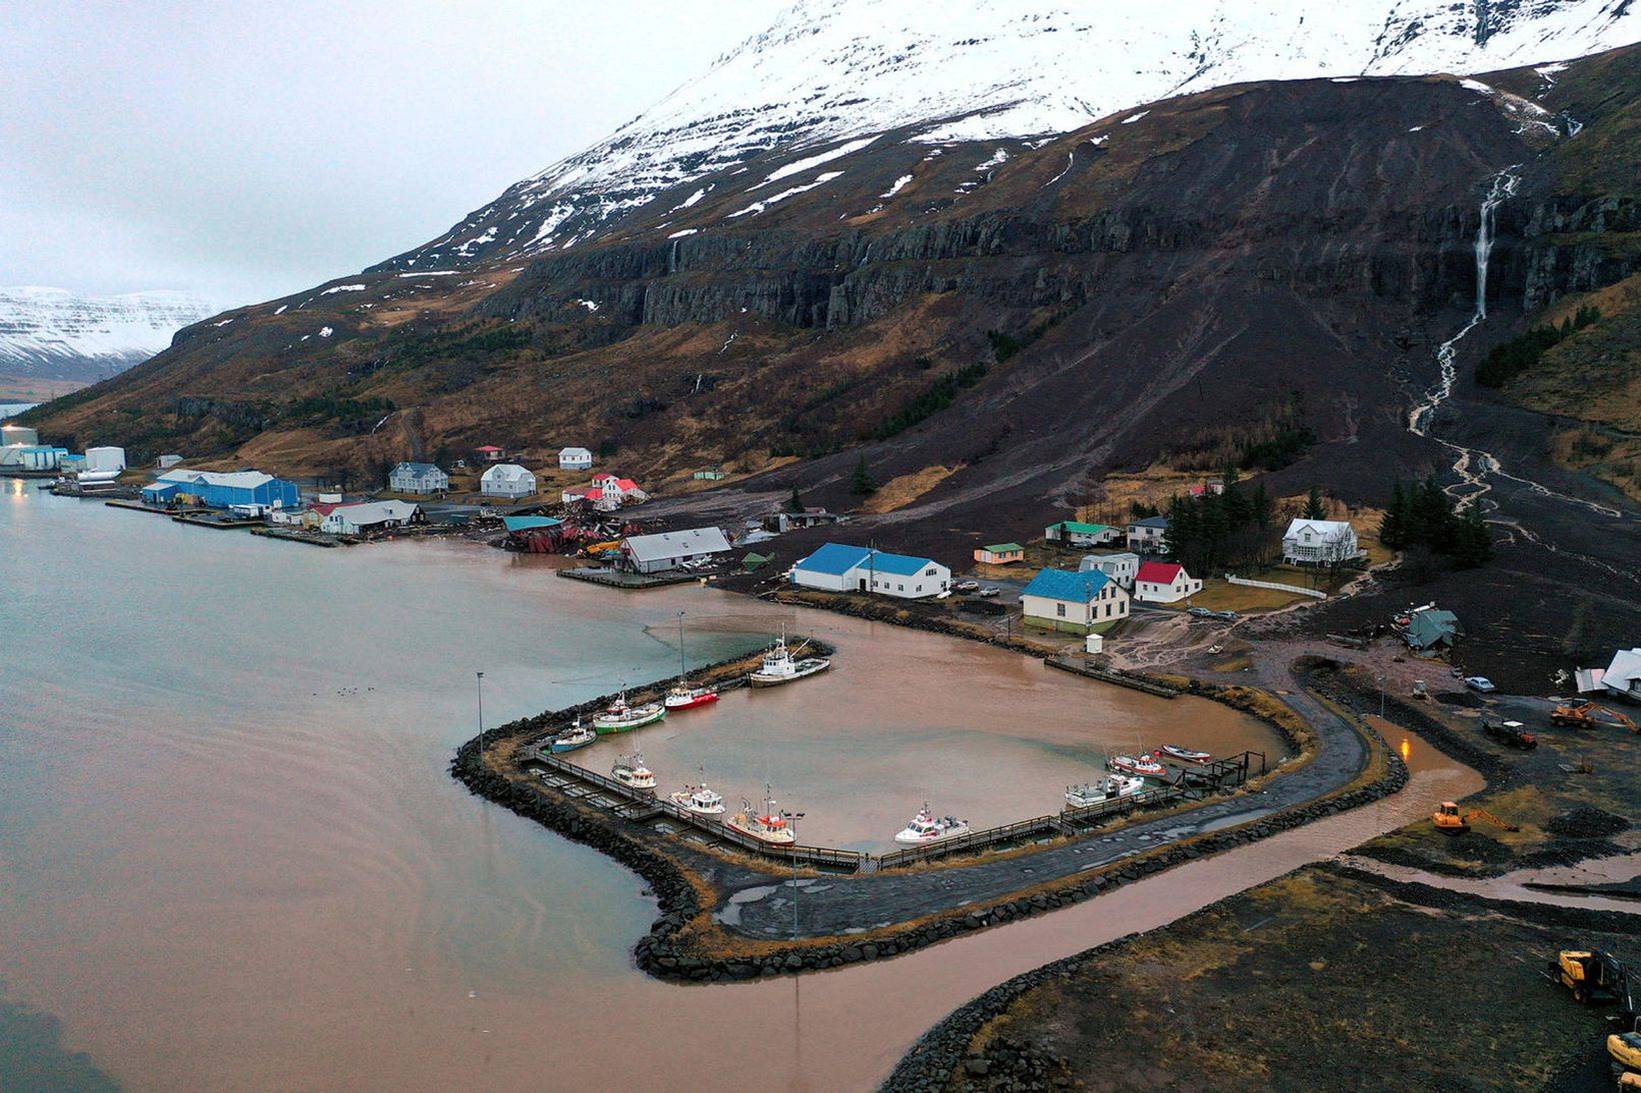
[
  {"x": 1185, "y": 755},
  {"x": 699, "y": 800},
  {"x": 683, "y": 695},
  {"x": 576, "y": 736},
  {"x": 767, "y": 825},
  {"x": 1111, "y": 788},
  {"x": 630, "y": 771},
  {"x": 1128, "y": 764},
  {"x": 779, "y": 666},
  {"x": 925, "y": 828},
  {"x": 620, "y": 717}
]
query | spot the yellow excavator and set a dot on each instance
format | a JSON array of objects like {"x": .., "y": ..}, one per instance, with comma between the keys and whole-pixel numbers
[
  {"x": 1596, "y": 977},
  {"x": 1450, "y": 820},
  {"x": 1581, "y": 713}
]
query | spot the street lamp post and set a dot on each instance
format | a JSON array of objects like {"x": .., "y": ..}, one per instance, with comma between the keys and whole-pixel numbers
[
  {"x": 793, "y": 818},
  {"x": 481, "y": 717}
]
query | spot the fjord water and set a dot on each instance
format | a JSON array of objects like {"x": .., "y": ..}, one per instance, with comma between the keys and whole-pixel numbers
[{"x": 231, "y": 857}]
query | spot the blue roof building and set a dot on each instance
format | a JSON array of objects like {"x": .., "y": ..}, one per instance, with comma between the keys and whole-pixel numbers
[
  {"x": 838, "y": 567},
  {"x": 1077, "y": 602},
  {"x": 217, "y": 490}
]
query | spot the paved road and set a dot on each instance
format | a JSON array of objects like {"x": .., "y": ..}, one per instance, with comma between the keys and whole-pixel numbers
[{"x": 760, "y": 905}]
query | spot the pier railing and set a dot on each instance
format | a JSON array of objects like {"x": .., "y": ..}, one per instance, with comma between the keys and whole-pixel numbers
[{"x": 1189, "y": 783}]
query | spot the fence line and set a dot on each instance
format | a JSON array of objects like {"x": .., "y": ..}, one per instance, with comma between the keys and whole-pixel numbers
[{"x": 1276, "y": 586}]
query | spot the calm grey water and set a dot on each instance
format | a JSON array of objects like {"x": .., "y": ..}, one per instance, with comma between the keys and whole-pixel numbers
[{"x": 231, "y": 858}]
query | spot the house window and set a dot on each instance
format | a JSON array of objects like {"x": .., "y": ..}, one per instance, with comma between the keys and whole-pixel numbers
[{"x": 1060, "y": 609}]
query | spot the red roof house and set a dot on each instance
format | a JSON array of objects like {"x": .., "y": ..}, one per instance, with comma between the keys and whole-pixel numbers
[{"x": 1164, "y": 582}]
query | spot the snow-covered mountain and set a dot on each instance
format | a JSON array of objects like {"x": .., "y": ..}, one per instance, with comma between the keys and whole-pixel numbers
[
  {"x": 836, "y": 70},
  {"x": 51, "y": 333}
]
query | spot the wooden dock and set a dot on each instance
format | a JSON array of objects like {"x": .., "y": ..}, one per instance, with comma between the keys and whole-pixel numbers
[
  {"x": 615, "y": 578},
  {"x": 301, "y": 535},
  {"x": 1121, "y": 679}
]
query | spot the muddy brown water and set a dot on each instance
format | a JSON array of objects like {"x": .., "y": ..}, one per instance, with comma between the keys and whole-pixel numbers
[{"x": 230, "y": 857}]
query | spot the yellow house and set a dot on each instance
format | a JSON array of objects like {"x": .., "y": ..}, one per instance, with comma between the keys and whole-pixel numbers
[{"x": 1000, "y": 554}]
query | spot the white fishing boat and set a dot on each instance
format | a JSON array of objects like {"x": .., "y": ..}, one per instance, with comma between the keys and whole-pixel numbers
[
  {"x": 1185, "y": 755},
  {"x": 1111, "y": 788},
  {"x": 780, "y": 666},
  {"x": 767, "y": 825},
  {"x": 925, "y": 828},
  {"x": 630, "y": 771},
  {"x": 576, "y": 736},
  {"x": 620, "y": 717},
  {"x": 700, "y": 800},
  {"x": 1143, "y": 765}
]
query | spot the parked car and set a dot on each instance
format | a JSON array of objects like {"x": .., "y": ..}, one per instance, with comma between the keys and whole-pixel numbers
[
  {"x": 1199, "y": 612},
  {"x": 1226, "y": 615},
  {"x": 989, "y": 591},
  {"x": 966, "y": 586},
  {"x": 1480, "y": 683}
]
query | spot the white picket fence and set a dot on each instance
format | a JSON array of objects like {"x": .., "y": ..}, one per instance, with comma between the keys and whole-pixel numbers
[{"x": 1311, "y": 592}]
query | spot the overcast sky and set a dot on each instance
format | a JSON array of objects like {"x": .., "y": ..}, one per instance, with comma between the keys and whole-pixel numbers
[{"x": 248, "y": 150}]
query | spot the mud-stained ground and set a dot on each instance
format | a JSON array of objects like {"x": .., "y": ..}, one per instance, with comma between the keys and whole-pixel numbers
[{"x": 1322, "y": 979}]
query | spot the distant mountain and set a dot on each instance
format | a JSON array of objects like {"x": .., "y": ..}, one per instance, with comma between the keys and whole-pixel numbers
[
  {"x": 974, "y": 70},
  {"x": 54, "y": 334}
]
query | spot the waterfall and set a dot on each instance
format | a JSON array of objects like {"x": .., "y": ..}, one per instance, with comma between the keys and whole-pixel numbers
[{"x": 1500, "y": 190}]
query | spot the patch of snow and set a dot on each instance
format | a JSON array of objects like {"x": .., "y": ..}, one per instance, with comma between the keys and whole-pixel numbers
[
  {"x": 759, "y": 206},
  {"x": 433, "y": 273},
  {"x": 1132, "y": 118},
  {"x": 1476, "y": 85},
  {"x": 224, "y": 322},
  {"x": 325, "y": 332},
  {"x": 680, "y": 233},
  {"x": 798, "y": 167},
  {"x": 1070, "y": 158},
  {"x": 900, "y": 184},
  {"x": 691, "y": 200},
  {"x": 343, "y": 288},
  {"x": 1416, "y": 129},
  {"x": 590, "y": 305},
  {"x": 281, "y": 309},
  {"x": 998, "y": 158}
]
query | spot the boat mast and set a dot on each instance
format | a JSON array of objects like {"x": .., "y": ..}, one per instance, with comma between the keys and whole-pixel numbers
[{"x": 681, "y": 670}]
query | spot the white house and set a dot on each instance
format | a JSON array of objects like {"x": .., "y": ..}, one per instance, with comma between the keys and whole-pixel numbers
[
  {"x": 507, "y": 480},
  {"x": 1077, "y": 533},
  {"x": 167, "y": 461},
  {"x": 1319, "y": 542},
  {"x": 1164, "y": 582},
  {"x": 370, "y": 516},
  {"x": 1119, "y": 567},
  {"x": 1076, "y": 602},
  {"x": 671, "y": 549},
  {"x": 575, "y": 459},
  {"x": 1149, "y": 535},
  {"x": 417, "y": 478},
  {"x": 837, "y": 567}
]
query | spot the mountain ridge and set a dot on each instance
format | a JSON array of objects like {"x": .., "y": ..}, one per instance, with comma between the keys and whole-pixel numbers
[{"x": 55, "y": 334}]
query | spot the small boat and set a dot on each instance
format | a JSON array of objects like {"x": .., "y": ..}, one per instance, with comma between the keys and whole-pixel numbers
[
  {"x": 925, "y": 828},
  {"x": 1128, "y": 764},
  {"x": 684, "y": 697},
  {"x": 767, "y": 826},
  {"x": 576, "y": 736},
  {"x": 630, "y": 771},
  {"x": 1185, "y": 755},
  {"x": 620, "y": 717},
  {"x": 699, "y": 800},
  {"x": 1113, "y": 786},
  {"x": 780, "y": 666}
]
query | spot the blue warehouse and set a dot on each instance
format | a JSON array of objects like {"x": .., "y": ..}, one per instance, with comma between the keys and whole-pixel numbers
[{"x": 218, "y": 490}]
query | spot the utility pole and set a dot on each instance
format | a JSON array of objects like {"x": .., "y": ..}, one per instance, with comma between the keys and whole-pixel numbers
[
  {"x": 793, "y": 818},
  {"x": 481, "y": 718}
]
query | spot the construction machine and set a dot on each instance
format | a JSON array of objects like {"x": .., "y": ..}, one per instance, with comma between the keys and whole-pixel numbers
[
  {"x": 1512, "y": 734},
  {"x": 1449, "y": 820},
  {"x": 1581, "y": 713},
  {"x": 1594, "y": 976}
]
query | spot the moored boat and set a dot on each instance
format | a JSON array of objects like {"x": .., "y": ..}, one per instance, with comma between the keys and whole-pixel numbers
[
  {"x": 1110, "y": 788},
  {"x": 1185, "y": 755},
  {"x": 699, "y": 800},
  {"x": 576, "y": 736},
  {"x": 767, "y": 825},
  {"x": 1142, "y": 765},
  {"x": 925, "y": 828},
  {"x": 780, "y": 666},
  {"x": 630, "y": 771},
  {"x": 682, "y": 696},
  {"x": 620, "y": 717}
]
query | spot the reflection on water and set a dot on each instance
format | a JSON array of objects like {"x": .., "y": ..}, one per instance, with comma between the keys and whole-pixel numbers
[{"x": 231, "y": 856}]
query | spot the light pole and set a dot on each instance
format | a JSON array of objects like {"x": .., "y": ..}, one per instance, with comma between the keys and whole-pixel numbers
[
  {"x": 1381, "y": 696},
  {"x": 793, "y": 818},
  {"x": 481, "y": 718}
]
